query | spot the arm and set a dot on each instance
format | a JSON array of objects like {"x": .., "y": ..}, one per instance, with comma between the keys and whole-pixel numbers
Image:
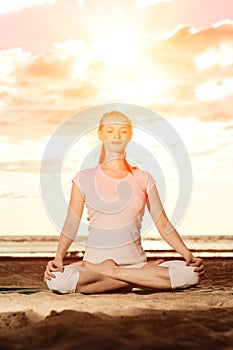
[
  {"x": 68, "y": 233},
  {"x": 167, "y": 230}
]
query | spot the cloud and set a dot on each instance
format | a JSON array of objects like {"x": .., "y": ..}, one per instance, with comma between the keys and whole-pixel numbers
[
  {"x": 167, "y": 73},
  {"x": 228, "y": 127},
  {"x": 206, "y": 111},
  {"x": 85, "y": 90},
  {"x": 185, "y": 45},
  {"x": 212, "y": 91},
  {"x": 24, "y": 166},
  {"x": 175, "y": 57},
  {"x": 207, "y": 152},
  {"x": 13, "y": 195},
  {"x": 145, "y": 3},
  {"x": 223, "y": 56},
  {"x": 29, "y": 166},
  {"x": 50, "y": 66},
  {"x": 11, "y": 6},
  {"x": 45, "y": 88}
]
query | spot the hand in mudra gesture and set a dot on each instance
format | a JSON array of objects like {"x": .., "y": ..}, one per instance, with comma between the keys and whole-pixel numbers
[{"x": 55, "y": 265}]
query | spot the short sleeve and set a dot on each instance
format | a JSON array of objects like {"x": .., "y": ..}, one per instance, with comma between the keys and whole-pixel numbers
[
  {"x": 149, "y": 181},
  {"x": 79, "y": 180}
]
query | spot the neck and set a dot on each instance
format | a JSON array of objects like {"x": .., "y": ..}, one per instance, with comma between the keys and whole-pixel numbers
[
  {"x": 115, "y": 164},
  {"x": 115, "y": 161}
]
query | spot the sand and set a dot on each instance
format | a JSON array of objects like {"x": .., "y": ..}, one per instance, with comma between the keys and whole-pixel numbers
[{"x": 197, "y": 318}]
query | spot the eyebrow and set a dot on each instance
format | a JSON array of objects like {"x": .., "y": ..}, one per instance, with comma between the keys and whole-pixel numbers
[{"x": 122, "y": 127}]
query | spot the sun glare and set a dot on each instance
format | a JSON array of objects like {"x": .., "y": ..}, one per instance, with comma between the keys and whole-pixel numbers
[
  {"x": 117, "y": 45},
  {"x": 146, "y": 90}
]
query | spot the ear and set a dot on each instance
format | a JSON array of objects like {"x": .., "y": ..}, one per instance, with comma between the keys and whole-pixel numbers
[
  {"x": 100, "y": 134},
  {"x": 131, "y": 135}
]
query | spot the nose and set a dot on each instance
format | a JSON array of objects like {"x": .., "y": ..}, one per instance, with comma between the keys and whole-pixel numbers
[{"x": 116, "y": 134}]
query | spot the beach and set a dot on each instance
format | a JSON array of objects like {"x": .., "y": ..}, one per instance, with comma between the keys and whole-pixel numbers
[{"x": 32, "y": 317}]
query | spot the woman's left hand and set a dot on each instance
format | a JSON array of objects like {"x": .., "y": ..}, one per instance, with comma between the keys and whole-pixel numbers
[{"x": 198, "y": 262}]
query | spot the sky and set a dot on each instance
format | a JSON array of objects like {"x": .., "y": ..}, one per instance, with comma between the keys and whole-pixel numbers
[{"x": 59, "y": 57}]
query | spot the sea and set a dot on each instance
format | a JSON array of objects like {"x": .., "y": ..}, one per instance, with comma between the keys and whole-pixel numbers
[{"x": 45, "y": 246}]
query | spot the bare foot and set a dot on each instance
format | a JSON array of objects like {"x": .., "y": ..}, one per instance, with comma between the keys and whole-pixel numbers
[
  {"x": 153, "y": 263},
  {"x": 105, "y": 267}
]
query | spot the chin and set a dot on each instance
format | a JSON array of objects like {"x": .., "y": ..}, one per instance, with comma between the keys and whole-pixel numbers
[{"x": 116, "y": 147}]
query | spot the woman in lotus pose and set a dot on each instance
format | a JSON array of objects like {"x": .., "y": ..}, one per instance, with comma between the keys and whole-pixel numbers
[{"x": 115, "y": 194}]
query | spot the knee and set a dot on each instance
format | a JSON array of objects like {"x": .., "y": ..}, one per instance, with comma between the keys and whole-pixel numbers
[
  {"x": 66, "y": 281},
  {"x": 181, "y": 276},
  {"x": 54, "y": 283}
]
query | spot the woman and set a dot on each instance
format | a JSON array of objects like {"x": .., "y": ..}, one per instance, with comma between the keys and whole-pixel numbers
[{"x": 115, "y": 194}]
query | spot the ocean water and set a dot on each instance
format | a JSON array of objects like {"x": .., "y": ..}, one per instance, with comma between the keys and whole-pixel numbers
[{"x": 39, "y": 246}]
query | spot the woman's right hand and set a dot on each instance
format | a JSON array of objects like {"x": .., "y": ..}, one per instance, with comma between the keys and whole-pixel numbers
[{"x": 54, "y": 265}]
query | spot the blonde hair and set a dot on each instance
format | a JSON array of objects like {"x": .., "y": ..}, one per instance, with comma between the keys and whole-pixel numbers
[
  {"x": 103, "y": 121},
  {"x": 115, "y": 114}
]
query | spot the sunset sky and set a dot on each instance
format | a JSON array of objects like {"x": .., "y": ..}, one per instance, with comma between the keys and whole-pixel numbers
[{"x": 58, "y": 57}]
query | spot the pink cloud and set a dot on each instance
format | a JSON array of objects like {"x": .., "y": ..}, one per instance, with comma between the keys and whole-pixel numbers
[
  {"x": 48, "y": 88},
  {"x": 50, "y": 67},
  {"x": 11, "y": 6}
]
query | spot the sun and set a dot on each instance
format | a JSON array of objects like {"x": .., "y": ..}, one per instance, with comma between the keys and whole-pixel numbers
[
  {"x": 127, "y": 75},
  {"x": 117, "y": 44}
]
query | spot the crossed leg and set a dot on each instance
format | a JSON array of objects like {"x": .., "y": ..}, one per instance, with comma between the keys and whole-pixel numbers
[
  {"x": 95, "y": 282},
  {"x": 108, "y": 276}
]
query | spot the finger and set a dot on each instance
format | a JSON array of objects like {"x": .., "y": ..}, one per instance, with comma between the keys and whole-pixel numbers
[
  {"x": 202, "y": 271},
  {"x": 199, "y": 268},
  {"x": 50, "y": 263},
  {"x": 195, "y": 259},
  {"x": 47, "y": 269},
  {"x": 196, "y": 263},
  {"x": 53, "y": 267},
  {"x": 58, "y": 269},
  {"x": 53, "y": 264},
  {"x": 47, "y": 277},
  {"x": 49, "y": 273},
  {"x": 201, "y": 274}
]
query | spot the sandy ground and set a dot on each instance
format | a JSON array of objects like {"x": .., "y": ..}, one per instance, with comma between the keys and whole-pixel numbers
[{"x": 197, "y": 318}]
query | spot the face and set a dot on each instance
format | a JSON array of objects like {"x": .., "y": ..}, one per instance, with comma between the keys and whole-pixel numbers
[{"x": 115, "y": 134}]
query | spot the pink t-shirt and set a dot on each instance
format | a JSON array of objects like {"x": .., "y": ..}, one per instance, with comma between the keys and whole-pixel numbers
[{"x": 115, "y": 210}]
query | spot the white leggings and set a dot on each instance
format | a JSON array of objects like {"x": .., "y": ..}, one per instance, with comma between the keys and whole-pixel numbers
[{"x": 181, "y": 276}]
